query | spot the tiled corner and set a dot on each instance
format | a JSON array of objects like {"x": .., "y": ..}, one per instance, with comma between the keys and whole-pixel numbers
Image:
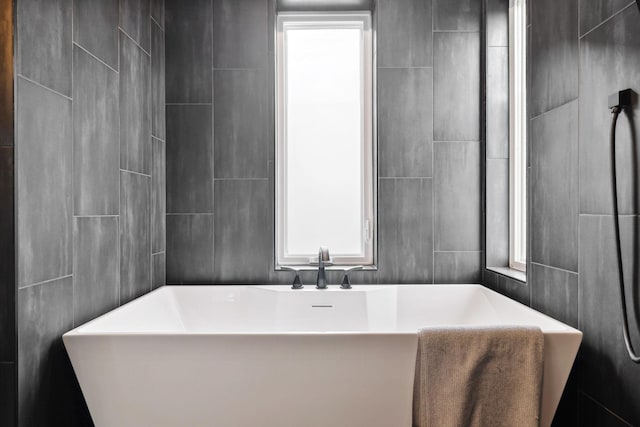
[
  {"x": 554, "y": 292},
  {"x": 457, "y": 267}
]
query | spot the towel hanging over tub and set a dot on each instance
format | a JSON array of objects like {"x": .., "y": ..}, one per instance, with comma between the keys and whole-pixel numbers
[{"x": 478, "y": 377}]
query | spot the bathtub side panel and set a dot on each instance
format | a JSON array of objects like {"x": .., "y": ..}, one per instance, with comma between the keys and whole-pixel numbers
[{"x": 286, "y": 380}]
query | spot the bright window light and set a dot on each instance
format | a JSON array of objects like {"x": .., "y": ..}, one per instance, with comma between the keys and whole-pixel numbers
[
  {"x": 324, "y": 138},
  {"x": 518, "y": 135}
]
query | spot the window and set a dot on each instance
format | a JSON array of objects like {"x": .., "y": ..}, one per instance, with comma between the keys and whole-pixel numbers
[
  {"x": 517, "y": 136},
  {"x": 324, "y": 138}
]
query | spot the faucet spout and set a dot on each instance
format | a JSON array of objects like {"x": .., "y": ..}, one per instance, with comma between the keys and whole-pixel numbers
[{"x": 324, "y": 259}]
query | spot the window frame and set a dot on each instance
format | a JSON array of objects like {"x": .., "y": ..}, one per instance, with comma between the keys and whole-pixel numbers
[
  {"x": 328, "y": 20},
  {"x": 517, "y": 135}
]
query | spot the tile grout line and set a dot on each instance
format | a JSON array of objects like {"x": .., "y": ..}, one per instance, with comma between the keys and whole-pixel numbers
[
  {"x": 27, "y": 79},
  {"x": 564, "y": 270},
  {"x": 604, "y": 21},
  {"x": 88, "y": 52},
  {"x": 133, "y": 40},
  {"x": 44, "y": 282}
]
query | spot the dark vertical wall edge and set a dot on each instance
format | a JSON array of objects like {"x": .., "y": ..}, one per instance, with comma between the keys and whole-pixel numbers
[{"x": 8, "y": 331}]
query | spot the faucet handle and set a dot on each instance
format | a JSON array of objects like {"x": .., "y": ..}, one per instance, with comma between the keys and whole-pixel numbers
[
  {"x": 346, "y": 284},
  {"x": 297, "y": 283}
]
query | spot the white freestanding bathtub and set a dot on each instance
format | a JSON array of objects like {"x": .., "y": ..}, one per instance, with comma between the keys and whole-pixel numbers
[{"x": 269, "y": 356}]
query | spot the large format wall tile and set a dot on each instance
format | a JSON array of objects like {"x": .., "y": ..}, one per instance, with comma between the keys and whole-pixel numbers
[
  {"x": 456, "y": 82},
  {"x": 554, "y": 292},
  {"x": 457, "y": 15},
  {"x": 135, "y": 20},
  {"x": 157, "y": 82},
  {"x": 188, "y": 38},
  {"x": 554, "y": 54},
  {"x": 240, "y": 34},
  {"x": 404, "y": 37},
  {"x": 554, "y": 188},
  {"x": 613, "y": 379},
  {"x": 593, "y": 12},
  {"x": 95, "y": 28},
  {"x": 96, "y": 156},
  {"x": 243, "y": 231},
  {"x": 135, "y": 107},
  {"x": 44, "y": 184},
  {"x": 405, "y": 122},
  {"x": 456, "y": 193},
  {"x": 189, "y": 159},
  {"x": 457, "y": 267},
  {"x": 135, "y": 247},
  {"x": 405, "y": 230},
  {"x": 45, "y": 377},
  {"x": 7, "y": 258},
  {"x": 96, "y": 267},
  {"x": 44, "y": 42},
  {"x": 158, "y": 197},
  {"x": 609, "y": 61},
  {"x": 240, "y": 127},
  {"x": 189, "y": 249}
]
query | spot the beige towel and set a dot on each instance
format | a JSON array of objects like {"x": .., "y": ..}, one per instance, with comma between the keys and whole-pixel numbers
[{"x": 478, "y": 377}]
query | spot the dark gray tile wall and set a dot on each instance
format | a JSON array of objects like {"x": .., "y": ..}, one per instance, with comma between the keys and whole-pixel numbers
[
  {"x": 553, "y": 52},
  {"x": 225, "y": 234},
  {"x": 90, "y": 185},
  {"x": 573, "y": 271}
]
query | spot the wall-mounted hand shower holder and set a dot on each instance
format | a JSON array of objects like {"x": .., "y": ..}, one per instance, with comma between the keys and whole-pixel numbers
[{"x": 619, "y": 102}]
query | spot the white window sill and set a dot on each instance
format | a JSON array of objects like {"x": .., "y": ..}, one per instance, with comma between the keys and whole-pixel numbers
[{"x": 518, "y": 275}]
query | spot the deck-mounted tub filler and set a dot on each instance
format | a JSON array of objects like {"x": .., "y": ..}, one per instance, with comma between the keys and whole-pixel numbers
[{"x": 270, "y": 356}]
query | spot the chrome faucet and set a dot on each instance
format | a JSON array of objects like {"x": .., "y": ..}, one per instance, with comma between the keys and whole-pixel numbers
[{"x": 323, "y": 260}]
